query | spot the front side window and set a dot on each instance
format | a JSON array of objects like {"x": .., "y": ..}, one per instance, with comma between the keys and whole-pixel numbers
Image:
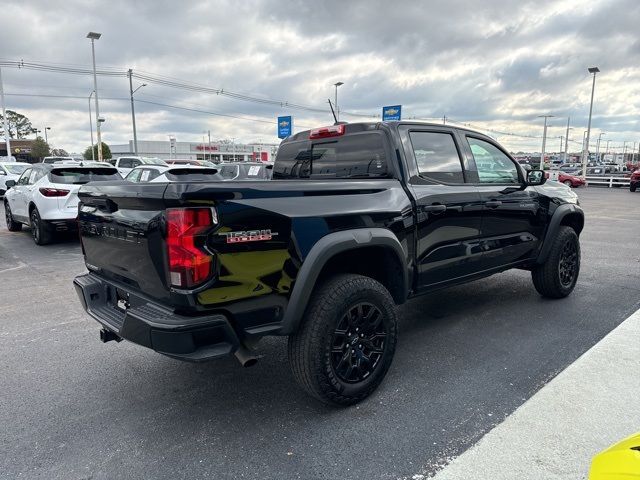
[
  {"x": 437, "y": 156},
  {"x": 493, "y": 165},
  {"x": 24, "y": 178}
]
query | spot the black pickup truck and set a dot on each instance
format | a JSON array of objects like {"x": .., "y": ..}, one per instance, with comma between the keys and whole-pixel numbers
[{"x": 357, "y": 219}]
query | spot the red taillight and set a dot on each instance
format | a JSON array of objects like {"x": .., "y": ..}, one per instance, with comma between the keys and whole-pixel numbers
[
  {"x": 53, "y": 192},
  {"x": 324, "y": 132},
  {"x": 189, "y": 265}
]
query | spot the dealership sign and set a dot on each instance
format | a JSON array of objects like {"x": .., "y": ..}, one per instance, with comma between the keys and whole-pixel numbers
[
  {"x": 285, "y": 126},
  {"x": 393, "y": 112}
]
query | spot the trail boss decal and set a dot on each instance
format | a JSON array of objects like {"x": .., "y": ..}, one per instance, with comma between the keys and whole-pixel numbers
[{"x": 249, "y": 236}]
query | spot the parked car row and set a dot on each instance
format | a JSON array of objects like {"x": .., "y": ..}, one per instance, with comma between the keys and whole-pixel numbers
[{"x": 44, "y": 196}]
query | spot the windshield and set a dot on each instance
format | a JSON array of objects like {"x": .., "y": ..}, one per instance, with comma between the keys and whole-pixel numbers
[
  {"x": 153, "y": 161},
  {"x": 80, "y": 176},
  {"x": 15, "y": 169}
]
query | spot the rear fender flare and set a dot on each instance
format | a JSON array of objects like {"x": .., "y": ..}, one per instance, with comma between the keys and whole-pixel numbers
[{"x": 322, "y": 252}]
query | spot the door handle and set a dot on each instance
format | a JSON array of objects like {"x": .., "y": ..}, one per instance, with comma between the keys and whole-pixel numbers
[
  {"x": 493, "y": 204},
  {"x": 435, "y": 208}
]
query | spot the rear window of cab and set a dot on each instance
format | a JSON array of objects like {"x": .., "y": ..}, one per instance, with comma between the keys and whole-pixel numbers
[{"x": 359, "y": 155}]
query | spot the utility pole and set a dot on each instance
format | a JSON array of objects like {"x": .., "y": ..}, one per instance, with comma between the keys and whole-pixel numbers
[
  {"x": 209, "y": 132},
  {"x": 561, "y": 138},
  {"x": 624, "y": 152},
  {"x": 598, "y": 147},
  {"x": 566, "y": 143},
  {"x": 96, "y": 36},
  {"x": 4, "y": 120},
  {"x": 133, "y": 112},
  {"x": 544, "y": 139},
  {"x": 585, "y": 153}
]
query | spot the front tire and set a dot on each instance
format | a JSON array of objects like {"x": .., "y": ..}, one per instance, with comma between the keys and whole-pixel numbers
[
  {"x": 345, "y": 345},
  {"x": 633, "y": 187},
  {"x": 568, "y": 183},
  {"x": 557, "y": 276},
  {"x": 39, "y": 231},
  {"x": 12, "y": 225}
]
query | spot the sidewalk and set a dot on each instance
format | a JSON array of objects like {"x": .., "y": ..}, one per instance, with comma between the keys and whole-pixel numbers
[{"x": 592, "y": 404}]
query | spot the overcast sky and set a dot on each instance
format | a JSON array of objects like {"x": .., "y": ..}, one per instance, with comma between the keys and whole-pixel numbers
[{"x": 492, "y": 64}]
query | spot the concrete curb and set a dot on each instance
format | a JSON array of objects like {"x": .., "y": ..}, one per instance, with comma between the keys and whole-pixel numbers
[{"x": 590, "y": 405}]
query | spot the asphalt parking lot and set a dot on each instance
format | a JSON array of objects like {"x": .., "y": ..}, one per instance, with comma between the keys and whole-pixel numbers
[{"x": 467, "y": 357}]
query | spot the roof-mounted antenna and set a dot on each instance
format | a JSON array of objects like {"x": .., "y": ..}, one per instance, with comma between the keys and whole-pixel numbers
[{"x": 333, "y": 112}]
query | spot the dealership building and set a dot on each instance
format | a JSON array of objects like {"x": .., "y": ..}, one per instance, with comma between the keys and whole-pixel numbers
[{"x": 214, "y": 151}]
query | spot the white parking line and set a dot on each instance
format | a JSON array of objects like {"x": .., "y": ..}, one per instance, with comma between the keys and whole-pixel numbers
[{"x": 592, "y": 404}]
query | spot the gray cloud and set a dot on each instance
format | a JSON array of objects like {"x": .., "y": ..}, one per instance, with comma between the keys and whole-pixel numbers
[{"x": 495, "y": 64}]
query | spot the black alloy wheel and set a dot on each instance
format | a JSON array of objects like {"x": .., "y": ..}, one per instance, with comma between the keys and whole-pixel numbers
[
  {"x": 358, "y": 343},
  {"x": 568, "y": 263}
]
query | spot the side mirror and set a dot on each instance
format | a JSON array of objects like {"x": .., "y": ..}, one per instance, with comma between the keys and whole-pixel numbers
[
  {"x": 9, "y": 183},
  {"x": 536, "y": 177}
]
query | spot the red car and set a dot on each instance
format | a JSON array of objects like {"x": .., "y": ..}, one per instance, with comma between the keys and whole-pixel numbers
[
  {"x": 569, "y": 180},
  {"x": 634, "y": 180}
]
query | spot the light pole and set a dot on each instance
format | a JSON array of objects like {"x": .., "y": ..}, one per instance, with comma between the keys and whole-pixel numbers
[
  {"x": 233, "y": 148},
  {"x": 598, "y": 147},
  {"x": 133, "y": 112},
  {"x": 336, "y": 99},
  {"x": 93, "y": 152},
  {"x": 46, "y": 138},
  {"x": 93, "y": 36},
  {"x": 566, "y": 143},
  {"x": 624, "y": 151},
  {"x": 607, "y": 152},
  {"x": 585, "y": 153},
  {"x": 209, "y": 133},
  {"x": 544, "y": 139}
]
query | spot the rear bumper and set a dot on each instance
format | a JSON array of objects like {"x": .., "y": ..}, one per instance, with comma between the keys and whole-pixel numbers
[
  {"x": 154, "y": 326},
  {"x": 66, "y": 225}
]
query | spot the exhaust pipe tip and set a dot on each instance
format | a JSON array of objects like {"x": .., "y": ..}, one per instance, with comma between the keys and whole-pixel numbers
[{"x": 245, "y": 357}]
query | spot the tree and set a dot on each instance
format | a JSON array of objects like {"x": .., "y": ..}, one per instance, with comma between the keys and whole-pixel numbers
[
  {"x": 39, "y": 148},
  {"x": 106, "y": 152},
  {"x": 19, "y": 125},
  {"x": 59, "y": 152}
]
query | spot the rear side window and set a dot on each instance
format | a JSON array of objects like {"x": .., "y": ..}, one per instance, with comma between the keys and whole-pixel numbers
[
  {"x": 80, "y": 176},
  {"x": 352, "y": 156},
  {"x": 437, "y": 156},
  {"x": 229, "y": 171}
]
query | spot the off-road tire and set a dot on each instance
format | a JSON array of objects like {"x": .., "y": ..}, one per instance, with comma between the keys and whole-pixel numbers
[
  {"x": 12, "y": 225},
  {"x": 311, "y": 349},
  {"x": 550, "y": 279},
  {"x": 39, "y": 230}
]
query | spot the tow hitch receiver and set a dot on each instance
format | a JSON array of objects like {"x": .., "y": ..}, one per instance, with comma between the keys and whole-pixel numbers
[{"x": 108, "y": 335}]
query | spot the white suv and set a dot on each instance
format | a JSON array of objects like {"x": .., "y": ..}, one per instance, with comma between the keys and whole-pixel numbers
[
  {"x": 10, "y": 171},
  {"x": 45, "y": 197},
  {"x": 126, "y": 164}
]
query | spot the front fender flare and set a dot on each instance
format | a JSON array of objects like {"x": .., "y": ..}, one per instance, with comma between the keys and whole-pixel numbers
[
  {"x": 321, "y": 253},
  {"x": 554, "y": 225}
]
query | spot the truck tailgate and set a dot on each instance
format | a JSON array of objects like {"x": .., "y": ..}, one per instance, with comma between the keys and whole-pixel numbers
[{"x": 120, "y": 232}]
